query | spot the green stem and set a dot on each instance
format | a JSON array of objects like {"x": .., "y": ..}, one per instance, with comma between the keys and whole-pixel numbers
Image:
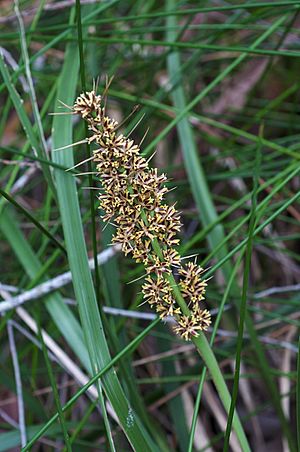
[
  {"x": 93, "y": 220},
  {"x": 208, "y": 357}
]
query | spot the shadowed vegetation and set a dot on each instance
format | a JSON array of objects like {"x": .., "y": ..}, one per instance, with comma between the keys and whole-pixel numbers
[{"x": 209, "y": 91}]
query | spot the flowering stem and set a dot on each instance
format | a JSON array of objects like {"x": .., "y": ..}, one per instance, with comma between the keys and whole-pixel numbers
[
  {"x": 146, "y": 229},
  {"x": 205, "y": 351},
  {"x": 211, "y": 363}
]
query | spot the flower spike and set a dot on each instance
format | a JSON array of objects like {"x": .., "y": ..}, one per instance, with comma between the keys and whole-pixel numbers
[{"x": 146, "y": 228}]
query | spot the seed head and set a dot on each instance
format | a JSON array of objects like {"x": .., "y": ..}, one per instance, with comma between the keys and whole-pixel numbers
[
  {"x": 146, "y": 228},
  {"x": 191, "y": 283},
  {"x": 188, "y": 326}
]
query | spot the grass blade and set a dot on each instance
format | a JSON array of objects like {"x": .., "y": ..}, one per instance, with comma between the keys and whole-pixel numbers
[
  {"x": 243, "y": 305},
  {"x": 207, "y": 212},
  {"x": 55, "y": 391},
  {"x": 196, "y": 175},
  {"x": 33, "y": 220},
  {"x": 130, "y": 347},
  {"x": 214, "y": 332},
  {"x": 82, "y": 281},
  {"x": 18, "y": 104},
  {"x": 92, "y": 212},
  {"x": 61, "y": 314}
]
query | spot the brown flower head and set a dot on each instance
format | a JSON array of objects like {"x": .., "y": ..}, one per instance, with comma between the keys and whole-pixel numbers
[{"x": 133, "y": 198}]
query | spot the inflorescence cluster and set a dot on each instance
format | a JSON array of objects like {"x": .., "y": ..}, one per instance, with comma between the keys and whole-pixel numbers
[{"x": 146, "y": 228}]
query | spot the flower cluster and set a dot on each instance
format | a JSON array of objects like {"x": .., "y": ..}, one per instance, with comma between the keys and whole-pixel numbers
[{"x": 146, "y": 227}]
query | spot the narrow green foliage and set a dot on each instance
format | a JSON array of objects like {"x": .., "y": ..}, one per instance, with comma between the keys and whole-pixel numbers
[
  {"x": 243, "y": 304},
  {"x": 54, "y": 389},
  {"x": 88, "y": 150},
  {"x": 204, "y": 77},
  {"x": 130, "y": 347},
  {"x": 93, "y": 218},
  {"x": 213, "y": 84},
  {"x": 18, "y": 104},
  {"x": 214, "y": 333},
  {"x": 82, "y": 422},
  {"x": 196, "y": 175},
  {"x": 11, "y": 200},
  {"x": 133, "y": 198},
  {"x": 77, "y": 254},
  {"x": 61, "y": 314}
]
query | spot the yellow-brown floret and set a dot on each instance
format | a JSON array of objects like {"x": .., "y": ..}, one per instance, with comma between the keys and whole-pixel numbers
[{"x": 133, "y": 197}]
